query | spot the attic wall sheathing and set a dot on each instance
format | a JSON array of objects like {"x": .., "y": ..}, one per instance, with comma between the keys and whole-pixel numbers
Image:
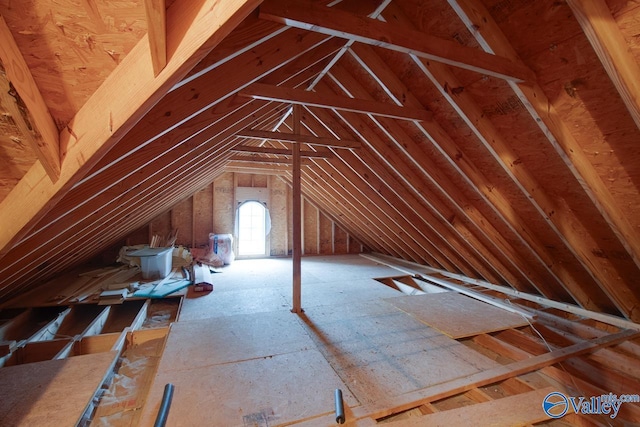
[
  {"x": 211, "y": 210},
  {"x": 527, "y": 185}
]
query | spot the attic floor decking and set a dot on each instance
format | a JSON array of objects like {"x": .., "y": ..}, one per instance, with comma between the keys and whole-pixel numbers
[{"x": 238, "y": 357}]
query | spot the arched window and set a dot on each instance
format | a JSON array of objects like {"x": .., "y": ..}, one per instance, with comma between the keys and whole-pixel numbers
[{"x": 252, "y": 229}]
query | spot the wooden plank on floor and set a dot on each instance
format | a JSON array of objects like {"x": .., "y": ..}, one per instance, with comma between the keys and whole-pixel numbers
[
  {"x": 249, "y": 365},
  {"x": 383, "y": 353},
  {"x": 518, "y": 410},
  {"x": 450, "y": 388},
  {"x": 228, "y": 339},
  {"x": 51, "y": 393},
  {"x": 457, "y": 315}
]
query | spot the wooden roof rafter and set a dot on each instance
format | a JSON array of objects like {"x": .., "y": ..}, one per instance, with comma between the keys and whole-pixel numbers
[
  {"x": 438, "y": 234},
  {"x": 476, "y": 180},
  {"x": 190, "y": 35},
  {"x": 607, "y": 41},
  {"x": 491, "y": 38},
  {"x": 507, "y": 159}
]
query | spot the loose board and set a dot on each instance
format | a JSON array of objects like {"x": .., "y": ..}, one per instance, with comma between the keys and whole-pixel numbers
[
  {"x": 519, "y": 410},
  {"x": 381, "y": 352},
  {"x": 244, "y": 370},
  {"x": 457, "y": 315},
  {"x": 51, "y": 393}
]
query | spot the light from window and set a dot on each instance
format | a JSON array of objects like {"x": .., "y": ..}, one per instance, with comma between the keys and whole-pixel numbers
[{"x": 251, "y": 229}]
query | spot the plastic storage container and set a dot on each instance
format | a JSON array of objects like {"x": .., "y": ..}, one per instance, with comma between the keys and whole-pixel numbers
[{"x": 155, "y": 263}]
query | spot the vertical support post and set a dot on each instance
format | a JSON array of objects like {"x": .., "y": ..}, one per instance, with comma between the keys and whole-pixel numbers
[{"x": 297, "y": 217}]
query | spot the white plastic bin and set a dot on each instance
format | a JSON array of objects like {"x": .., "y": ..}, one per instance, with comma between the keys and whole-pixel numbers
[{"x": 155, "y": 263}]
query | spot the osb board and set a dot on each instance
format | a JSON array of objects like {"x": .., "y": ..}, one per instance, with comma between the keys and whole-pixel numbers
[
  {"x": 521, "y": 409},
  {"x": 203, "y": 215},
  {"x": 161, "y": 225},
  {"x": 326, "y": 234},
  {"x": 16, "y": 154},
  {"x": 259, "y": 392},
  {"x": 354, "y": 246},
  {"x": 457, "y": 315},
  {"x": 227, "y": 339},
  {"x": 251, "y": 366},
  {"x": 223, "y": 209},
  {"x": 51, "y": 393},
  {"x": 279, "y": 218},
  {"x": 71, "y": 46},
  {"x": 182, "y": 220},
  {"x": 310, "y": 227},
  {"x": 340, "y": 244},
  {"x": 381, "y": 352}
]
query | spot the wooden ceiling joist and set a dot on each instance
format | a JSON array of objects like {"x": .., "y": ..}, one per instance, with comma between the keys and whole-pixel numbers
[
  {"x": 294, "y": 138},
  {"x": 256, "y": 158},
  {"x": 315, "y": 99},
  {"x": 42, "y": 134},
  {"x": 157, "y": 33},
  {"x": 336, "y": 23},
  {"x": 322, "y": 154},
  {"x": 127, "y": 94}
]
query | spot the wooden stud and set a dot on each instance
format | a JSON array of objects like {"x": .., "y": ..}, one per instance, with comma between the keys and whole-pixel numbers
[
  {"x": 323, "y": 100},
  {"x": 157, "y": 33},
  {"x": 365, "y": 30},
  {"x": 45, "y": 142},
  {"x": 297, "y": 217}
]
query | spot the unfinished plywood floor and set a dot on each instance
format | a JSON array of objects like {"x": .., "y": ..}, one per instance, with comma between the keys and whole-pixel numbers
[
  {"x": 238, "y": 357},
  {"x": 51, "y": 393}
]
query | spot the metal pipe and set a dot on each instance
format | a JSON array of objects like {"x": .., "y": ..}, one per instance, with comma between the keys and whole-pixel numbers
[
  {"x": 339, "y": 407},
  {"x": 163, "y": 412}
]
